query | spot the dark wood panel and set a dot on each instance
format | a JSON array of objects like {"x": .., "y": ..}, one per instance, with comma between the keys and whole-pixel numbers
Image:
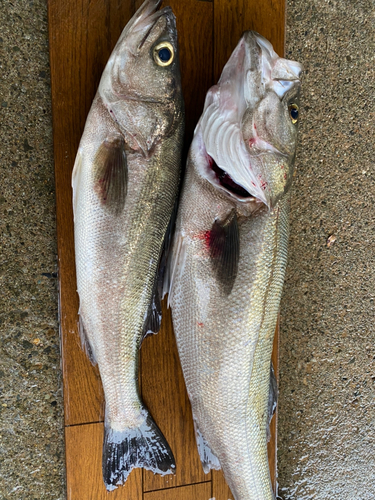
[
  {"x": 82, "y": 34},
  {"x": 193, "y": 492},
  {"x": 195, "y": 35},
  {"x": 164, "y": 393},
  {"x": 220, "y": 489},
  {"x": 84, "y": 467}
]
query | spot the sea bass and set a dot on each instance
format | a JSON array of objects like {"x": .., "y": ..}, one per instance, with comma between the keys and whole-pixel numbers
[
  {"x": 229, "y": 255},
  {"x": 125, "y": 182}
]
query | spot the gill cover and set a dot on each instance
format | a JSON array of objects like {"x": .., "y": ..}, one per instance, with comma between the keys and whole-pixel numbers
[{"x": 246, "y": 124}]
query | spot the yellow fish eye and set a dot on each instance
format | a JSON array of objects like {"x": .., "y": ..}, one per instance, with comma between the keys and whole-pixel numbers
[
  {"x": 164, "y": 54},
  {"x": 293, "y": 113}
]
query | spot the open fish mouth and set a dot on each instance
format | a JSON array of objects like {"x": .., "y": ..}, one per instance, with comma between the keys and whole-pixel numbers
[
  {"x": 226, "y": 182},
  {"x": 245, "y": 123}
]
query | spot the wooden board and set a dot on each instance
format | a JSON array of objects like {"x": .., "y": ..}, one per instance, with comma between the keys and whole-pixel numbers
[
  {"x": 193, "y": 492},
  {"x": 82, "y": 34}
]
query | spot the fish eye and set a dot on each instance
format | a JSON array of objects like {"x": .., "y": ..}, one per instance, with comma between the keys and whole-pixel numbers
[
  {"x": 293, "y": 113},
  {"x": 164, "y": 54}
]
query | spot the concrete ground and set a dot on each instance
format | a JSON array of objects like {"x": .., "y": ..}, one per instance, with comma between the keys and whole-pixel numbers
[
  {"x": 327, "y": 352},
  {"x": 31, "y": 425}
]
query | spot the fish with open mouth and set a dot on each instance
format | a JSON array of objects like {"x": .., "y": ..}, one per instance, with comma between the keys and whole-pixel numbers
[
  {"x": 125, "y": 183},
  {"x": 229, "y": 256}
]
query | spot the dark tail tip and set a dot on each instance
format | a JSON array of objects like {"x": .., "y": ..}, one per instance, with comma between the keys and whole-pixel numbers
[{"x": 144, "y": 446}]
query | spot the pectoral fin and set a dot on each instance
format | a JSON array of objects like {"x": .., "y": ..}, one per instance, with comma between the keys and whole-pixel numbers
[
  {"x": 111, "y": 174},
  {"x": 224, "y": 245}
]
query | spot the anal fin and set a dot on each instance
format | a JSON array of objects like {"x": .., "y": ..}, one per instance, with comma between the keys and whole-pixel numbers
[
  {"x": 153, "y": 319},
  {"x": 208, "y": 458},
  {"x": 272, "y": 400},
  {"x": 85, "y": 344}
]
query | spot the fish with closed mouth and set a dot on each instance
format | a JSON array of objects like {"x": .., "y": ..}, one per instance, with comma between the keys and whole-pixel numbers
[
  {"x": 229, "y": 256},
  {"x": 125, "y": 183}
]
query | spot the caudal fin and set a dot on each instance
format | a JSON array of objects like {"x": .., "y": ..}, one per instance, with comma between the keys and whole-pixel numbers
[{"x": 144, "y": 446}]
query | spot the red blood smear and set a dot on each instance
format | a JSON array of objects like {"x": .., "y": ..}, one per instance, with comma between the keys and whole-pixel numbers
[
  {"x": 207, "y": 238},
  {"x": 263, "y": 184}
]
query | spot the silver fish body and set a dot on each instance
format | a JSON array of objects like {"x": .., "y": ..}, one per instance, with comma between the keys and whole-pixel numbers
[
  {"x": 229, "y": 258},
  {"x": 125, "y": 183}
]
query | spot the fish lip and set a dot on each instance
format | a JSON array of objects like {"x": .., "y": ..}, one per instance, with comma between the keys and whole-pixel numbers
[
  {"x": 144, "y": 20},
  {"x": 151, "y": 19}
]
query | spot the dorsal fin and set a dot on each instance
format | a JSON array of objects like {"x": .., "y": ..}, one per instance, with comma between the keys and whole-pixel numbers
[
  {"x": 111, "y": 174},
  {"x": 224, "y": 245}
]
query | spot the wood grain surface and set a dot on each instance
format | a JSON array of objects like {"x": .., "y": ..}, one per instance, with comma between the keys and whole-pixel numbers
[
  {"x": 192, "y": 492},
  {"x": 82, "y": 34}
]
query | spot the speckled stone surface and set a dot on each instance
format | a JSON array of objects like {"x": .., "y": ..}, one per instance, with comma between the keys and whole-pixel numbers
[
  {"x": 327, "y": 356},
  {"x": 31, "y": 416}
]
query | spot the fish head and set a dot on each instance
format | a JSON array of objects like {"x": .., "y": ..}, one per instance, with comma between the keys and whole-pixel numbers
[
  {"x": 270, "y": 121},
  {"x": 141, "y": 83},
  {"x": 249, "y": 124}
]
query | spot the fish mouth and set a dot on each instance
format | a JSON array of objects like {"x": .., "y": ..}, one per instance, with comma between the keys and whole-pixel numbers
[
  {"x": 143, "y": 22},
  {"x": 147, "y": 16},
  {"x": 225, "y": 181},
  {"x": 238, "y": 127}
]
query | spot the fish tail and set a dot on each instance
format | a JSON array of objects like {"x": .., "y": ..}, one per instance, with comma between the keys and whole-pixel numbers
[{"x": 132, "y": 448}]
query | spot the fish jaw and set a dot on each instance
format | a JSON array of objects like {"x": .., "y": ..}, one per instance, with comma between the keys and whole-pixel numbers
[{"x": 246, "y": 123}]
